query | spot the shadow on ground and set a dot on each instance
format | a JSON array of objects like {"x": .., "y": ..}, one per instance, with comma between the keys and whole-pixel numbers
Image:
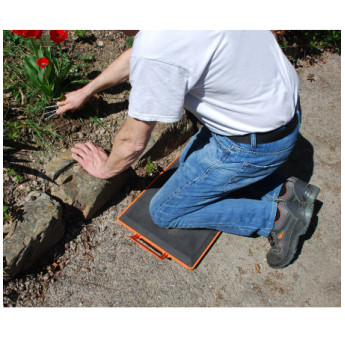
[{"x": 301, "y": 161}]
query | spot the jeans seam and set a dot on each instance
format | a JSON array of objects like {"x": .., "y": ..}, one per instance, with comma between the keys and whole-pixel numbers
[
  {"x": 262, "y": 153},
  {"x": 263, "y": 166},
  {"x": 230, "y": 181},
  {"x": 222, "y": 146}
]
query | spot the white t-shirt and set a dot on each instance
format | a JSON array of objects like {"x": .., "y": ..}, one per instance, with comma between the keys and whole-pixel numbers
[{"x": 234, "y": 82}]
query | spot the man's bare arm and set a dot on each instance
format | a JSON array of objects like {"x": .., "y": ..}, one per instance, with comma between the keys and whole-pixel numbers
[
  {"x": 128, "y": 145},
  {"x": 116, "y": 73}
]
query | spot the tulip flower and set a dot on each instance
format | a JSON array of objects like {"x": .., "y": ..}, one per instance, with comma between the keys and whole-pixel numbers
[
  {"x": 42, "y": 62},
  {"x": 44, "y": 72},
  {"x": 58, "y": 36},
  {"x": 36, "y": 34}
]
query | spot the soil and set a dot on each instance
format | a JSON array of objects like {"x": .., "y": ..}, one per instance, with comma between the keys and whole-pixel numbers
[{"x": 98, "y": 122}]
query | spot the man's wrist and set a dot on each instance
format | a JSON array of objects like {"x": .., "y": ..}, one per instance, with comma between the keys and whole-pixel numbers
[
  {"x": 88, "y": 91},
  {"x": 107, "y": 172}
]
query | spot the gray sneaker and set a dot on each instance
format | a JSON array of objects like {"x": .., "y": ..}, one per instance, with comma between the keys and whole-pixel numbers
[
  {"x": 298, "y": 190},
  {"x": 293, "y": 223}
]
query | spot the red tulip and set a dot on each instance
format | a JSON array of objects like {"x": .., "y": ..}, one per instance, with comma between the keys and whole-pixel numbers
[
  {"x": 36, "y": 34},
  {"x": 42, "y": 62},
  {"x": 58, "y": 36}
]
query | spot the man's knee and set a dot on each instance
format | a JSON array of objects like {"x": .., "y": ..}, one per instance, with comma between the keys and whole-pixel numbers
[{"x": 156, "y": 214}]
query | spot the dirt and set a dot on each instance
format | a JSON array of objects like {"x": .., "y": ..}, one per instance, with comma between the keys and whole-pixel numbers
[{"x": 76, "y": 255}]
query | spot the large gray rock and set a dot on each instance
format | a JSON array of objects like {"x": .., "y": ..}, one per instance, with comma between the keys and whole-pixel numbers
[
  {"x": 77, "y": 188},
  {"x": 40, "y": 230},
  {"x": 59, "y": 164}
]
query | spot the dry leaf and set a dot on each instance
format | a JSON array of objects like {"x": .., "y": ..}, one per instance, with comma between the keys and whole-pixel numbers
[
  {"x": 22, "y": 96},
  {"x": 89, "y": 257},
  {"x": 54, "y": 266},
  {"x": 310, "y": 77},
  {"x": 85, "y": 240},
  {"x": 310, "y": 62},
  {"x": 85, "y": 269},
  {"x": 257, "y": 268}
]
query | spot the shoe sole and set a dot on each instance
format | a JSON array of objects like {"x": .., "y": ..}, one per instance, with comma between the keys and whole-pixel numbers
[{"x": 308, "y": 213}]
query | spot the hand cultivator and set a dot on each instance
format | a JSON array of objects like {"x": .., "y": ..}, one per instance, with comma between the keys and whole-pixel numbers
[{"x": 50, "y": 113}]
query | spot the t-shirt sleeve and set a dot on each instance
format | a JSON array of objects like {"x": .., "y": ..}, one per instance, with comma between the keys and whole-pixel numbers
[{"x": 158, "y": 90}]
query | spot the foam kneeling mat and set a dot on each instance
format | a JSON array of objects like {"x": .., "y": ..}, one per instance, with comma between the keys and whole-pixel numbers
[{"x": 185, "y": 246}]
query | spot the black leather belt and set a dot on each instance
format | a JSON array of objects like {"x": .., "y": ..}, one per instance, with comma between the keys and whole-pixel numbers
[{"x": 270, "y": 136}]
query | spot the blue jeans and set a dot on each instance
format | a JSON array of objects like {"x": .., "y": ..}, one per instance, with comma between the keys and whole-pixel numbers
[{"x": 224, "y": 185}]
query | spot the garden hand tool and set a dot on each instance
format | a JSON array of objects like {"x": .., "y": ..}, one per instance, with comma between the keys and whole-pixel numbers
[{"x": 50, "y": 113}]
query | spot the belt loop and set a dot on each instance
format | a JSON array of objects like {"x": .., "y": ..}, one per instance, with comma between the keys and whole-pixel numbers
[{"x": 253, "y": 140}]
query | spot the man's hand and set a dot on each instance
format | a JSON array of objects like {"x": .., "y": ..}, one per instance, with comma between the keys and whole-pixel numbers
[
  {"x": 128, "y": 145},
  {"x": 116, "y": 73},
  {"x": 73, "y": 101},
  {"x": 92, "y": 159}
]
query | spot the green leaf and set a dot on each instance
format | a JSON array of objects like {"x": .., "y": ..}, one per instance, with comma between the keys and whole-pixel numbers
[
  {"x": 32, "y": 73},
  {"x": 51, "y": 75},
  {"x": 46, "y": 90},
  {"x": 66, "y": 71},
  {"x": 40, "y": 76},
  {"x": 27, "y": 62},
  {"x": 40, "y": 53},
  {"x": 52, "y": 60},
  {"x": 48, "y": 70},
  {"x": 32, "y": 61}
]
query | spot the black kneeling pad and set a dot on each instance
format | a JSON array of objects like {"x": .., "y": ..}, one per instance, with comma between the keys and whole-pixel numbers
[{"x": 185, "y": 246}]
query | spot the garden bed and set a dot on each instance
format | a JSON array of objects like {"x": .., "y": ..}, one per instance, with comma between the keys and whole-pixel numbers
[{"x": 25, "y": 156}]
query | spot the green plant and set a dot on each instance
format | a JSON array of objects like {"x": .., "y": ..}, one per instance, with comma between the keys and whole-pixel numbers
[
  {"x": 14, "y": 77},
  {"x": 41, "y": 134},
  {"x": 23, "y": 102},
  {"x": 309, "y": 42},
  {"x": 97, "y": 120},
  {"x": 11, "y": 129},
  {"x": 88, "y": 57},
  {"x": 4, "y": 211},
  {"x": 81, "y": 34},
  {"x": 129, "y": 42},
  {"x": 11, "y": 172},
  {"x": 46, "y": 66},
  {"x": 150, "y": 167}
]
